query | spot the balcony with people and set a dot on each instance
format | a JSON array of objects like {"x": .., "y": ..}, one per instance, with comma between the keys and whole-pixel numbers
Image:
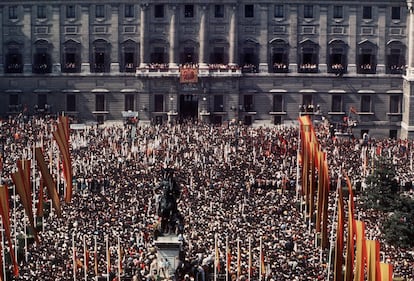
[
  {"x": 42, "y": 63},
  {"x": 14, "y": 63}
]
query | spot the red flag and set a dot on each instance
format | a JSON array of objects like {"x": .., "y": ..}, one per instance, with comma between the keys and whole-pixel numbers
[
  {"x": 373, "y": 260},
  {"x": 21, "y": 180},
  {"x": 4, "y": 212},
  {"x": 386, "y": 271},
  {"x": 360, "y": 250},
  {"x": 39, "y": 211},
  {"x": 60, "y": 137},
  {"x": 50, "y": 183},
  {"x": 217, "y": 254},
  {"x": 349, "y": 268},
  {"x": 339, "y": 245}
]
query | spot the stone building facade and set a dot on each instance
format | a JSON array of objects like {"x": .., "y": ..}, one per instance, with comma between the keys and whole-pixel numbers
[{"x": 258, "y": 62}]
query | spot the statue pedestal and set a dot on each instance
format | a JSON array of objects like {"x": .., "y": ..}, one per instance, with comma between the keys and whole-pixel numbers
[{"x": 168, "y": 250}]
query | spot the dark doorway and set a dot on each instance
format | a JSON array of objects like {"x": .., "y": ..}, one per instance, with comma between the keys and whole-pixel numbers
[{"x": 188, "y": 107}]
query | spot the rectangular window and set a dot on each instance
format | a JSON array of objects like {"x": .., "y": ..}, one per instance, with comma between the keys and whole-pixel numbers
[
  {"x": 41, "y": 12},
  {"x": 188, "y": 11},
  {"x": 159, "y": 11},
  {"x": 365, "y": 103},
  {"x": 307, "y": 101},
  {"x": 218, "y": 103},
  {"x": 336, "y": 105},
  {"x": 158, "y": 103},
  {"x": 41, "y": 101},
  {"x": 13, "y": 99},
  {"x": 100, "y": 11},
  {"x": 248, "y": 103},
  {"x": 395, "y": 13},
  {"x": 100, "y": 102},
  {"x": 71, "y": 102},
  {"x": 219, "y": 11},
  {"x": 129, "y": 11},
  {"x": 308, "y": 11},
  {"x": 248, "y": 11},
  {"x": 13, "y": 12},
  {"x": 278, "y": 103},
  {"x": 129, "y": 102},
  {"x": 70, "y": 12},
  {"x": 338, "y": 12},
  {"x": 279, "y": 11},
  {"x": 367, "y": 12},
  {"x": 395, "y": 104}
]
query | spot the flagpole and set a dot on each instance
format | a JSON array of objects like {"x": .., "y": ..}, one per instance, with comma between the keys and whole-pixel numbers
[
  {"x": 260, "y": 258},
  {"x": 74, "y": 256},
  {"x": 250, "y": 260},
  {"x": 107, "y": 258},
  {"x": 14, "y": 220},
  {"x": 95, "y": 258},
  {"x": 119, "y": 259},
  {"x": 25, "y": 238},
  {"x": 227, "y": 257},
  {"x": 3, "y": 231},
  {"x": 332, "y": 229},
  {"x": 85, "y": 261},
  {"x": 238, "y": 259},
  {"x": 215, "y": 257}
]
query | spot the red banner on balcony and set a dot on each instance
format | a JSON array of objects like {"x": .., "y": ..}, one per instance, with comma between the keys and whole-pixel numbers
[{"x": 188, "y": 75}]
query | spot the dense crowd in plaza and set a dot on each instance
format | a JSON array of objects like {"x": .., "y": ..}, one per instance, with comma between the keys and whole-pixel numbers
[{"x": 236, "y": 182}]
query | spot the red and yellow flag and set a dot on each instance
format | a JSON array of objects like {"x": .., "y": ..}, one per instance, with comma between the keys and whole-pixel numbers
[
  {"x": 386, "y": 271},
  {"x": 61, "y": 136},
  {"x": 350, "y": 254},
  {"x": 373, "y": 260},
  {"x": 339, "y": 245},
  {"x": 4, "y": 212},
  {"x": 360, "y": 251},
  {"x": 50, "y": 183}
]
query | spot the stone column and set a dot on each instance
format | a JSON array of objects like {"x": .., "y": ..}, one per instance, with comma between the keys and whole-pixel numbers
[
  {"x": 27, "y": 51},
  {"x": 85, "y": 38},
  {"x": 202, "y": 59},
  {"x": 233, "y": 36},
  {"x": 382, "y": 13},
  {"x": 2, "y": 55},
  {"x": 353, "y": 27},
  {"x": 407, "y": 123},
  {"x": 173, "y": 38},
  {"x": 264, "y": 46},
  {"x": 55, "y": 33},
  {"x": 293, "y": 38},
  {"x": 143, "y": 36},
  {"x": 323, "y": 26},
  {"x": 410, "y": 70},
  {"x": 114, "y": 39}
]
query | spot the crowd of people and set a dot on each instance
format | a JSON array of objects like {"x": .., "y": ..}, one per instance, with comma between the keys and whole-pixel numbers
[{"x": 237, "y": 183}]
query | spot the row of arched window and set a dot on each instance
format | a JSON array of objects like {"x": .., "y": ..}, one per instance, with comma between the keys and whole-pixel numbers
[{"x": 307, "y": 60}]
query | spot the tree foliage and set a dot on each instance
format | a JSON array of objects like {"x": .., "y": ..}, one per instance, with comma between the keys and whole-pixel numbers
[{"x": 383, "y": 195}]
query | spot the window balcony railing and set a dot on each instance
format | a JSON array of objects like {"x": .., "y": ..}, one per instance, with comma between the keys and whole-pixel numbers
[
  {"x": 42, "y": 68},
  {"x": 280, "y": 67},
  {"x": 129, "y": 67},
  {"x": 14, "y": 68},
  {"x": 249, "y": 68},
  {"x": 308, "y": 68},
  {"x": 70, "y": 67},
  {"x": 396, "y": 69},
  {"x": 366, "y": 68},
  {"x": 99, "y": 68}
]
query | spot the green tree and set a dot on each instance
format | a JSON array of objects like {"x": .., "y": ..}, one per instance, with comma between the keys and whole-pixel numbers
[{"x": 381, "y": 193}]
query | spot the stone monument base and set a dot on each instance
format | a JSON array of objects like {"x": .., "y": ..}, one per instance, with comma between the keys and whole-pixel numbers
[{"x": 168, "y": 250}]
